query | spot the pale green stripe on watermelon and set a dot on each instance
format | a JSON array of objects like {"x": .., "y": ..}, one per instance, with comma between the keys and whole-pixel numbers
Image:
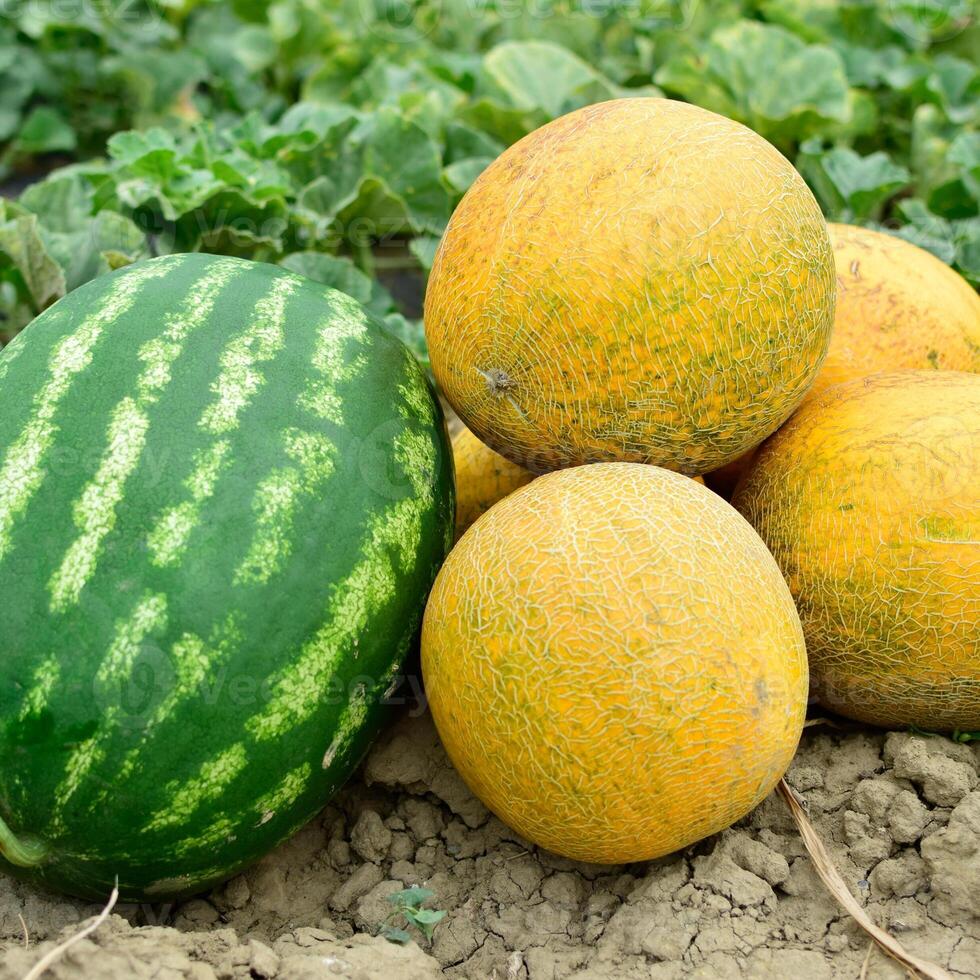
[
  {"x": 42, "y": 684},
  {"x": 276, "y": 500},
  {"x": 370, "y": 585},
  {"x": 207, "y": 785},
  {"x": 83, "y": 757},
  {"x": 279, "y": 494},
  {"x": 261, "y": 341},
  {"x": 219, "y": 832},
  {"x": 193, "y": 661},
  {"x": 418, "y": 401},
  {"x": 348, "y": 725},
  {"x": 297, "y": 693},
  {"x": 285, "y": 794},
  {"x": 95, "y": 511},
  {"x": 321, "y": 398},
  {"x": 224, "y": 827},
  {"x": 23, "y": 468},
  {"x": 14, "y": 349},
  {"x": 148, "y": 617},
  {"x": 170, "y": 533},
  {"x": 238, "y": 381}
]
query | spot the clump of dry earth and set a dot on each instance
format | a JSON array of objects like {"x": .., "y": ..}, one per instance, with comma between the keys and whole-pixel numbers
[{"x": 900, "y": 814}]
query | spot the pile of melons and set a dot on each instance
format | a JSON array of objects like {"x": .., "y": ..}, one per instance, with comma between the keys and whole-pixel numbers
[{"x": 616, "y": 657}]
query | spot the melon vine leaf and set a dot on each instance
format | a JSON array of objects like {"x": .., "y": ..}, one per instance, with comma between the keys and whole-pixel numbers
[
  {"x": 850, "y": 187},
  {"x": 408, "y": 905}
]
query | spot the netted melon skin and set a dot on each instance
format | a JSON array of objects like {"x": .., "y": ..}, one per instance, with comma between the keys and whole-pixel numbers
[
  {"x": 898, "y": 308},
  {"x": 614, "y": 662},
  {"x": 641, "y": 280},
  {"x": 482, "y": 478},
  {"x": 869, "y": 499}
]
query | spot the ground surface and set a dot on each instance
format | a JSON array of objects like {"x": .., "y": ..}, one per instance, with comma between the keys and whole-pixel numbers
[{"x": 900, "y": 814}]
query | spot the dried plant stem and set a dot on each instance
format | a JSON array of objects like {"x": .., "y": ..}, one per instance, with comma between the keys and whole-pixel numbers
[
  {"x": 867, "y": 960},
  {"x": 842, "y": 894},
  {"x": 52, "y": 956}
]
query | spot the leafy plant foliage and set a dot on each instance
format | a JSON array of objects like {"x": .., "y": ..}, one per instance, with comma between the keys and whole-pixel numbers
[
  {"x": 337, "y": 138},
  {"x": 409, "y": 910}
]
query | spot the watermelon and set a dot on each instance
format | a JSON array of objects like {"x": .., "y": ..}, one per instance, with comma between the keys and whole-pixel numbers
[{"x": 225, "y": 492}]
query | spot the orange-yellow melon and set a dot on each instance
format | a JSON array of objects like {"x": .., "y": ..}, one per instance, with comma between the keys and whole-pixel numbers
[
  {"x": 869, "y": 499},
  {"x": 640, "y": 280},
  {"x": 898, "y": 306},
  {"x": 614, "y": 662},
  {"x": 482, "y": 478}
]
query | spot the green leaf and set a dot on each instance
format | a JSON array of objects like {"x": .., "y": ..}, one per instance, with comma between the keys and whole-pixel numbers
[
  {"x": 108, "y": 241},
  {"x": 393, "y": 935},
  {"x": 424, "y": 249},
  {"x": 254, "y": 47},
  {"x": 401, "y": 177},
  {"x": 84, "y": 245},
  {"x": 923, "y": 21},
  {"x": 464, "y": 143},
  {"x": 765, "y": 77},
  {"x": 927, "y": 230},
  {"x": 542, "y": 75},
  {"x": 956, "y": 242},
  {"x": 945, "y": 159},
  {"x": 45, "y": 131},
  {"x": 955, "y": 86},
  {"x": 960, "y": 736},
  {"x": 425, "y": 920},
  {"x": 964, "y": 153},
  {"x": 851, "y": 187},
  {"x": 339, "y": 272},
  {"x": 62, "y": 201},
  {"x": 21, "y": 244},
  {"x": 412, "y": 334},
  {"x": 428, "y": 917},
  {"x": 411, "y": 898},
  {"x": 461, "y": 174}
]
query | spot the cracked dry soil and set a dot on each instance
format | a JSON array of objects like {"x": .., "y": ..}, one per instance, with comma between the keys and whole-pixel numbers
[{"x": 900, "y": 815}]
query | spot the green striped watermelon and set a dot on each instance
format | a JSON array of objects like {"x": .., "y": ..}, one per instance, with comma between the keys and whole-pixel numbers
[{"x": 224, "y": 494}]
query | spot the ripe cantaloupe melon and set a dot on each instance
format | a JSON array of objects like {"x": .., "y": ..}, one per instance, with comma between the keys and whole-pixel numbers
[
  {"x": 482, "y": 478},
  {"x": 614, "y": 662},
  {"x": 898, "y": 307},
  {"x": 640, "y": 280},
  {"x": 869, "y": 499}
]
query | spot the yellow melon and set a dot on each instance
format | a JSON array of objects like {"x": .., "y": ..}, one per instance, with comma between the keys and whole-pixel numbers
[
  {"x": 869, "y": 499},
  {"x": 614, "y": 662},
  {"x": 898, "y": 306},
  {"x": 640, "y": 280},
  {"x": 482, "y": 478}
]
